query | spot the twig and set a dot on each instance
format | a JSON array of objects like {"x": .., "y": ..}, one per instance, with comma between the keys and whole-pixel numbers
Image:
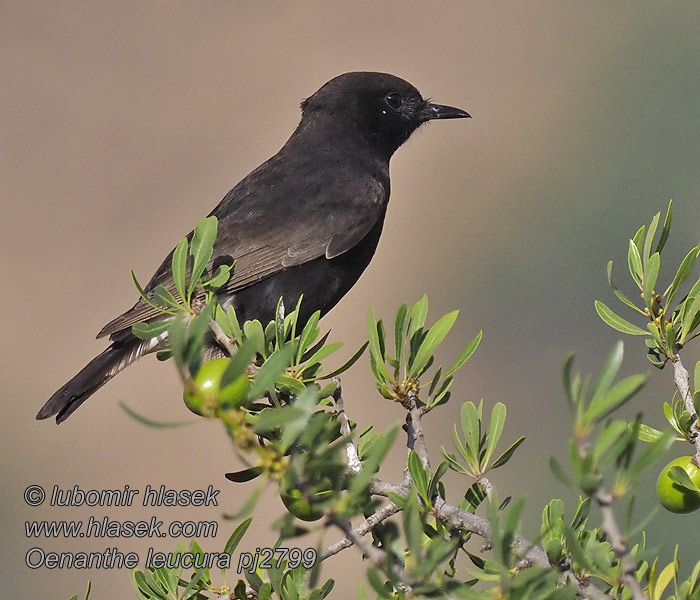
[
  {"x": 463, "y": 520},
  {"x": 222, "y": 339},
  {"x": 382, "y": 514},
  {"x": 682, "y": 380},
  {"x": 376, "y": 555},
  {"x": 414, "y": 430},
  {"x": 486, "y": 485},
  {"x": 618, "y": 543},
  {"x": 354, "y": 463},
  {"x": 382, "y": 488}
]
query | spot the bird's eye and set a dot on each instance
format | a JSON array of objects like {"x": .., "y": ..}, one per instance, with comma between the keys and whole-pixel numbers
[{"x": 394, "y": 100}]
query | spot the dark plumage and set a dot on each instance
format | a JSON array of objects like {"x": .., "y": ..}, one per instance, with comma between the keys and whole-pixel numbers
[{"x": 307, "y": 221}]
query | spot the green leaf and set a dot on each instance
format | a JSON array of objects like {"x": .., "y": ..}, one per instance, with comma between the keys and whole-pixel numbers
[
  {"x": 690, "y": 317},
  {"x": 495, "y": 430},
  {"x": 433, "y": 384},
  {"x": 470, "y": 419},
  {"x": 685, "y": 304},
  {"x": 581, "y": 515},
  {"x": 507, "y": 455},
  {"x": 144, "y": 296},
  {"x": 378, "y": 584},
  {"x": 510, "y": 527},
  {"x": 147, "y": 331},
  {"x": 201, "y": 250},
  {"x": 464, "y": 450},
  {"x": 146, "y": 586},
  {"x": 420, "y": 479},
  {"x": 233, "y": 327},
  {"x": 272, "y": 368},
  {"x": 308, "y": 334},
  {"x": 666, "y": 230},
  {"x": 289, "y": 384},
  {"x": 238, "y": 364},
  {"x": 249, "y": 505},
  {"x": 681, "y": 478},
  {"x": 574, "y": 547},
  {"x": 192, "y": 587},
  {"x": 196, "y": 330},
  {"x": 400, "y": 331},
  {"x": 620, "y": 393},
  {"x": 638, "y": 238},
  {"x": 417, "y": 314},
  {"x": 665, "y": 578},
  {"x": 237, "y": 536},
  {"x": 684, "y": 271},
  {"x": 179, "y": 267},
  {"x": 435, "y": 478},
  {"x": 322, "y": 353},
  {"x": 349, "y": 363},
  {"x": 558, "y": 472},
  {"x": 244, "y": 475},
  {"x": 617, "y": 322},
  {"x": 436, "y": 334},
  {"x": 608, "y": 372},
  {"x": 219, "y": 277},
  {"x": 254, "y": 333},
  {"x": 149, "y": 422},
  {"x": 162, "y": 296},
  {"x": 473, "y": 497},
  {"x": 651, "y": 274},
  {"x": 312, "y": 349},
  {"x": 645, "y": 433},
  {"x": 611, "y": 433},
  {"x": 649, "y": 238},
  {"x": 465, "y": 355},
  {"x": 618, "y": 293},
  {"x": 374, "y": 346},
  {"x": 634, "y": 263},
  {"x": 571, "y": 384},
  {"x": 381, "y": 333}
]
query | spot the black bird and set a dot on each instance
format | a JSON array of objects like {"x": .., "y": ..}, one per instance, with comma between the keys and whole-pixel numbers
[{"x": 307, "y": 221}]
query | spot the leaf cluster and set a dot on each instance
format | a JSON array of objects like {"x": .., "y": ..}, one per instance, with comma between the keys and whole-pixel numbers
[
  {"x": 668, "y": 327},
  {"x": 478, "y": 447},
  {"x": 399, "y": 374}
]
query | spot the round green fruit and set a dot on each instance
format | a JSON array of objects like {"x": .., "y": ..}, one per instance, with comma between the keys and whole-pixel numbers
[
  {"x": 204, "y": 394},
  {"x": 674, "y": 497},
  {"x": 302, "y": 506}
]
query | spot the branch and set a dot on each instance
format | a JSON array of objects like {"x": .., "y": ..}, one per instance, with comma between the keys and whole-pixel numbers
[
  {"x": 455, "y": 518},
  {"x": 463, "y": 520},
  {"x": 682, "y": 380},
  {"x": 619, "y": 543},
  {"x": 350, "y": 449},
  {"x": 382, "y": 514},
  {"x": 378, "y": 488},
  {"x": 414, "y": 430},
  {"x": 376, "y": 556},
  {"x": 222, "y": 339}
]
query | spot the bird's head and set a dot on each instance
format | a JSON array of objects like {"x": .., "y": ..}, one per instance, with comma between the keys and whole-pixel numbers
[{"x": 384, "y": 108}]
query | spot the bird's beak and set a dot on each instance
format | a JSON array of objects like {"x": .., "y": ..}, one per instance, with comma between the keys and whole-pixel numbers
[{"x": 438, "y": 111}]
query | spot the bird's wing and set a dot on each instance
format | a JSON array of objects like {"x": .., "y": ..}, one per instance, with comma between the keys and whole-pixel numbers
[{"x": 264, "y": 243}]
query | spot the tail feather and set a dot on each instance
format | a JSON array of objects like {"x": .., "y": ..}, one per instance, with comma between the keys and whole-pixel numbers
[{"x": 92, "y": 377}]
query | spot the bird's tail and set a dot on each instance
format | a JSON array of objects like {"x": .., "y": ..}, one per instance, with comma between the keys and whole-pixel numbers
[{"x": 92, "y": 377}]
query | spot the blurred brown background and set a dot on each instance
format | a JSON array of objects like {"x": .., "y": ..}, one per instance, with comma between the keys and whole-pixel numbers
[{"x": 124, "y": 122}]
